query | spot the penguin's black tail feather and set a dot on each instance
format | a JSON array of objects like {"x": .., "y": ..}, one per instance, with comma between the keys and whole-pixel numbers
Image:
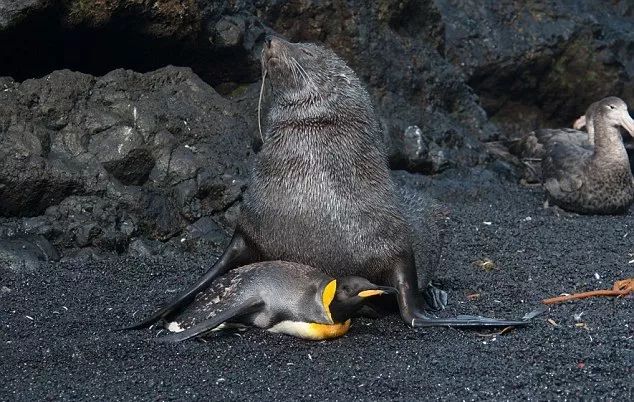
[{"x": 247, "y": 307}]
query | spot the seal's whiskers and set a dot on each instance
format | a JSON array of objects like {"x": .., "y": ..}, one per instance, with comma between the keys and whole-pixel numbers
[
  {"x": 304, "y": 73},
  {"x": 260, "y": 105}
]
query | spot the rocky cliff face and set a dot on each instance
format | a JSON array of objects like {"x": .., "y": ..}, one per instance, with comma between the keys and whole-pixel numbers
[
  {"x": 105, "y": 149},
  {"x": 541, "y": 63},
  {"x": 96, "y": 162}
]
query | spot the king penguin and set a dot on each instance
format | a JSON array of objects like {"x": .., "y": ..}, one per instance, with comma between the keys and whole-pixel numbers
[{"x": 279, "y": 296}]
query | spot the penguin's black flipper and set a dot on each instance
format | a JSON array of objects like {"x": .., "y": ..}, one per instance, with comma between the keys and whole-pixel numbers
[
  {"x": 247, "y": 307},
  {"x": 238, "y": 253}
]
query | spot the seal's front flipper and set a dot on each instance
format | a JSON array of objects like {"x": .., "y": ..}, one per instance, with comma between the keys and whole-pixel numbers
[
  {"x": 249, "y": 306},
  {"x": 435, "y": 298},
  {"x": 238, "y": 253},
  {"x": 410, "y": 304}
]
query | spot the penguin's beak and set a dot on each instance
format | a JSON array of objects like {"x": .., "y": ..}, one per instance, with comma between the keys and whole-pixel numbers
[
  {"x": 627, "y": 122},
  {"x": 381, "y": 290}
]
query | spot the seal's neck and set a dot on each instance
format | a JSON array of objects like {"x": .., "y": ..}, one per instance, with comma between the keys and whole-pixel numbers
[
  {"x": 590, "y": 130},
  {"x": 329, "y": 120}
]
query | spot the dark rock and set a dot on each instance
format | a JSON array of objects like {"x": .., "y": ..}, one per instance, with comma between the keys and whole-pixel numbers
[
  {"x": 98, "y": 161},
  {"x": 145, "y": 248},
  {"x": 15, "y": 11},
  {"x": 25, "y": 253},
  {"x": 229, "y": 32},
  {"x": 86, "y": 255},
  {"x": 540, "y": 64},
  {"x": 134, "y": 168},
  {"x": 160, "y": 217},
  {"x": 207, "y": 230},
  {"x": 436, "y": 146}
]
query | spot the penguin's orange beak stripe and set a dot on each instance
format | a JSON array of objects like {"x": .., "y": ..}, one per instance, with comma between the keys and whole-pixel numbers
[
  {"x": 369, "y": 293},
  {"x": 328, "y": 295}
]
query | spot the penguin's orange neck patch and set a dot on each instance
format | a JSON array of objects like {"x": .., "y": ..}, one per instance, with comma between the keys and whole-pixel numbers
[
  {"x": 310, "y": 330},
  {"x": 327, "y": 296},
  {"x": 320, "y": 332}
]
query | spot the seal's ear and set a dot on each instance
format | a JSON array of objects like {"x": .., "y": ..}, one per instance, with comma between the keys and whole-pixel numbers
[{"x": 343, "y": 78}]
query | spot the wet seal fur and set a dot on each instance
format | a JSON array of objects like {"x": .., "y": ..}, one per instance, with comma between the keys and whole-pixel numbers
[{"x": 321, "y": 193}]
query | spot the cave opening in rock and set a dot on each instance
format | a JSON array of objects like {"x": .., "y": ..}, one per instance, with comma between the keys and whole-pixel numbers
[{"x": 45, "y": 42}]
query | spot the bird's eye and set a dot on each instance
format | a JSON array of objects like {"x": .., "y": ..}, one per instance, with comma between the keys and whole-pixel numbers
[
  {"x": 306, "y": 52},
  {"x": 611, "y": 106}
]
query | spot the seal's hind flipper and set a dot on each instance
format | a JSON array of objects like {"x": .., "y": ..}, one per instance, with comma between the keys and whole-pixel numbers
[
  {"x": 435, "y": 298},
  {"x": 474, "y": 321},
  {"x": 467, "y": 321},
  {"x": 247, "y": 307}
]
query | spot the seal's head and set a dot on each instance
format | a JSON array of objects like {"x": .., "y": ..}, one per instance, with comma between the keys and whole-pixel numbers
[{"x": 305, "y": 75}]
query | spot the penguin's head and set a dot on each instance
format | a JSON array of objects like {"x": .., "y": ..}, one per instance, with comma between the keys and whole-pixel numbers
[{"x": 351, "y": 293}]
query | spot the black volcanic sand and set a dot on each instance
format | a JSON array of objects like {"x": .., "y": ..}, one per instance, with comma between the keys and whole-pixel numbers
[{"x": 57, "y": 340}]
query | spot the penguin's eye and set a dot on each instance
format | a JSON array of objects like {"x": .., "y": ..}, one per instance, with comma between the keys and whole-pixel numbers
[
  {"x": 306, "y": 52},
  {"x": 611, "y": 106}
]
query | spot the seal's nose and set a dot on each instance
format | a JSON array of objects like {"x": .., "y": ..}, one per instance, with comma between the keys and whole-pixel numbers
[
  {"x": 273, "y": 48},
  {"x": 273, "y": 43}
]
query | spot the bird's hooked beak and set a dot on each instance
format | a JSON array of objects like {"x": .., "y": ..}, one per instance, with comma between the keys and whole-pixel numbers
[
  {"x": 579, "y": 123},
  {"x": 627, "y": 122},
  {"x": 380, "y": 290}
]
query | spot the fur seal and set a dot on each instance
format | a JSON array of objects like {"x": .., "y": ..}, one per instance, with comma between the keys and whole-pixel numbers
[
  {"x": 279, "y": 296},
  {"x": 595, "y": 180},
  {"x": 320, "y": 190}
]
